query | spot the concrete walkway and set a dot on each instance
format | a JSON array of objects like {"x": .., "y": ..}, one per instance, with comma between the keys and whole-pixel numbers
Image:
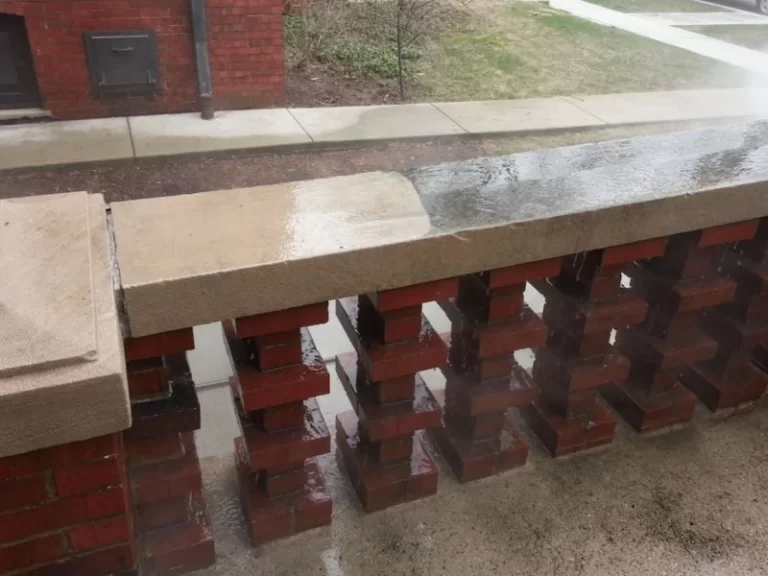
[
  {"x": 704, "y": 18},
  {"x": 751, "y": 60},
  {"x": 142, "y": 137}
]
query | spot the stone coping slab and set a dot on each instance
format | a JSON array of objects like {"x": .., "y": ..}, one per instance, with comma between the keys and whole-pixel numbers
[
  {"x": 47, "y": 312},
  {"x": 193, "y": 259},
  {"x": 84, "y": 394}
]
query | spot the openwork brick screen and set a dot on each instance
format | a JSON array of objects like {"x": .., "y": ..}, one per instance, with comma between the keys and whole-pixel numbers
[{"x": 660, "y": 305}]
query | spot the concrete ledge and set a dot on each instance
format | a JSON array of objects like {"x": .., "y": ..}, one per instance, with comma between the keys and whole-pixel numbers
[
  {"x": 71, "y": 387},
  {"x": 193, "y": 259}
]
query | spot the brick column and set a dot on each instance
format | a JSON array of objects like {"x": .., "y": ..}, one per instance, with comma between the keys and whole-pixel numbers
[
  {"x": 172, "y": 524},
  {"x": 677, "y": 286},
  {"x": 731, "y": 382},
  {"x": 66, "y": 510},
  {"x": 583, "y": 304},
  {"x": 378, "y": 442},
  {"x": 489, "y": 322},
  {"x": 278, "y": 373}
]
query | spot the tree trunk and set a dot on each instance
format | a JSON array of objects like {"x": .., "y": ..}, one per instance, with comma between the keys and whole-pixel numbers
[{"x": 400, "y": 78}]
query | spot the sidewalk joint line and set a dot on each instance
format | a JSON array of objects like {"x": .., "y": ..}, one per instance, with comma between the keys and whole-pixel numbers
[
  {"x": 449, "y": 118},
  {"x": 300, "y": 125},
  {"x": 130, "y": 136}
]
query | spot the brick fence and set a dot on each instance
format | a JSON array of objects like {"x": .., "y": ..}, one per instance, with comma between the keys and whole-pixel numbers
[{"x": 655, "y": 296}]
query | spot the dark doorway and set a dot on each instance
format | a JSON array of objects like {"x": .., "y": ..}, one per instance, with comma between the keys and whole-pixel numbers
[{"x": 18, "y": 84}]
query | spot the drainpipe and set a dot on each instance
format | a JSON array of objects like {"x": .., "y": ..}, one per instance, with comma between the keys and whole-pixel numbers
[{"x": 200, "y": 36}]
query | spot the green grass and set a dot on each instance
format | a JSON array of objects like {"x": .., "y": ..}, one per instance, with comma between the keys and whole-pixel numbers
[
  {"x": 755, "y": 37},
  {"x": 657, "y": 6},
  {"x": 523, "y": 50}
]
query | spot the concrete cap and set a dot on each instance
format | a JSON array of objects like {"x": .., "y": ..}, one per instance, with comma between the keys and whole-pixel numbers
[
  {"x": 192, "y": 259},
  {"x": 62, "y": 371}
]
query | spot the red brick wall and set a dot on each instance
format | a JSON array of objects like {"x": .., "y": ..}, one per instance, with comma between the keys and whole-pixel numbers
[
  {"x": 67, "y": 508},
  {"x": 246, "y": 46}
]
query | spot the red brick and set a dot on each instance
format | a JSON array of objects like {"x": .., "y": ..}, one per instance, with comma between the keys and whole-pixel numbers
[
  {"x": 282, "y": 320},
  {"x": 389, "y": 391},
  {"x": 482, "y": 304},
  {"x": 382, "y": 422},
  {"x": 265, "y": 389},
  {"x": 634, "y": 251},
  {"x": 22, "y": 492},
  {"x": 521, "y": 273},
  {"x": 271, "y": 518},
  {"x": 721, "y": 394},
  {"x": 388, "y": 327},
  {"x": 385, "y": 362},
  {"x": 162, "y": 344},
  {"x": 113, "y": 560},
  {"x": 378, "y": 486},
  {"x": 147, "y": 378},
  {"x": 167, "y": 479},
  {"x": 100, "y": 534},
  {"x": 286, "y": 448},
  {"x": 414, "y": 295},
  {"x": 469, "y": 397},
  {"x": 578, "y": 373},
  {"x": 276, "y": 350},
  {"x": 562, "y": 436},
  {"x": 279, "y": 417},
  {"x": 163, "y": 514},
  {"x": 88, "y": 477},
  {"x": 283, "y": 482},
  {"x": 728, "y": 233},
  {"x": 390, "y": 451},
  {"x": 178, "y": 413},
  {"x": 61, "y": 513},
  {"x": 478, "y": 427},
  {"x": 147, "y": 450},
  {"x": 691, "y": 348},
  {"x": 654, "y": 412},
  {"x": 472, "y": 460},
  {"x": 37, "y": 551}
]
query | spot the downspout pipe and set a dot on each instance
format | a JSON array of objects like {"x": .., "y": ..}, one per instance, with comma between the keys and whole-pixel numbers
[{"x": 202, "y": 58}]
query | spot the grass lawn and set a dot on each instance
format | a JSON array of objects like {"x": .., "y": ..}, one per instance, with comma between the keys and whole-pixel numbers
[
  {"x": 493, "y": 51},
  {"x": 657, "y": 6},
  {"x": 755, "y": 37},
  {"x": 523, "y": 50}
]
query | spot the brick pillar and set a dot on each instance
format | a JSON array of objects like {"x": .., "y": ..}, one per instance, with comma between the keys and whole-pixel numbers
[
  {"x": 731, "y": 382},
  {"x": 489, "y": 322},
  {"x": 584, "y": 303},
  {"x": 278, "y": 374},
  {"x": 172, "y": 524},
  {"x": 677, "y": 286},
  {"x": 380, "y": 443},
  {"x": 66, "y": 510}
]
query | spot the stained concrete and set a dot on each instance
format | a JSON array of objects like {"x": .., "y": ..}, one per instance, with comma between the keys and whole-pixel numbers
[
  {"x": 47, "y": 405},
  {"x": 193, "y": 259},
  {"x": 173, "y": 134},
  {"x": 488, "y": 117},
  {"x": 705, "y": 18},
  {"x": 360, "y": 123},
  {"x": 692, "y": 502},
  {"x": 29, "y": 145}
]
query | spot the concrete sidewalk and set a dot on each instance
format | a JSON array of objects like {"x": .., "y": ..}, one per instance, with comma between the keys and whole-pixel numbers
[
  {"x": 637, "y": 23},
  {"x": 143, "y": 137}
]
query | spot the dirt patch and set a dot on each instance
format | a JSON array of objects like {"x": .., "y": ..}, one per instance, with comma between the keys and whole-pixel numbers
[{"x": 329, "y": 85}]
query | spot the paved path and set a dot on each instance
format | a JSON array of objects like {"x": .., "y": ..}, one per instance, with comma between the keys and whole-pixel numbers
[
  {"x": 726, "y": 52},
  {"x": 704, "y": 18},
  {"x": 141, "y": 137}
]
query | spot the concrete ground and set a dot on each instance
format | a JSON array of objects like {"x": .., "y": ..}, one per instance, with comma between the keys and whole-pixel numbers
[
  {"x": 150, "y": 137},
  {"x": 688, "y": 502}
]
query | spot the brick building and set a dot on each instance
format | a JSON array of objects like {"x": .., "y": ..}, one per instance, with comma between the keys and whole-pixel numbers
[{"x": 91, "y": 58}]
